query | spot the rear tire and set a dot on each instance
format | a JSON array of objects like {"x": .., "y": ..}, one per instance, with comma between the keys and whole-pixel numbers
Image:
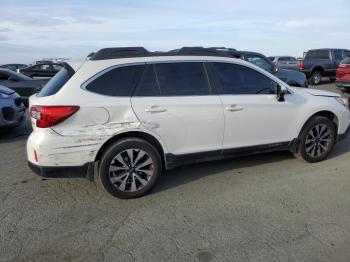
[
  {"x": 316, "y": 139},
  {"x": 129, "y": 168},
  {"x": 315, "y": 78}
]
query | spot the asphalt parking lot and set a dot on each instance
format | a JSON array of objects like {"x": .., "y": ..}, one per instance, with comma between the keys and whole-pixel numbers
[{"x": 268, "y": 207}]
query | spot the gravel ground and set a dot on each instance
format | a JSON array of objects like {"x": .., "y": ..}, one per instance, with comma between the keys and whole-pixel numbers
[{"x": 269, "y": 207}]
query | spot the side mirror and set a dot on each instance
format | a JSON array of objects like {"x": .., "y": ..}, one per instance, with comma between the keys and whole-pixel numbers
[
  {"x": 274, "y": 69},
  {"x": 280, "y": 93}
]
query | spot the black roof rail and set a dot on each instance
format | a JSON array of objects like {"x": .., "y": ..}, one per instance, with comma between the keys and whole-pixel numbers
[
  {"x": 119, "y": 52},
  {"x": 127, "y": 52},
  {"x": 208, "y": 51}
]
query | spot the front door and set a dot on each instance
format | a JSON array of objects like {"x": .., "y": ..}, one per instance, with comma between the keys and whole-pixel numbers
[{"x": 253, "y": 116}]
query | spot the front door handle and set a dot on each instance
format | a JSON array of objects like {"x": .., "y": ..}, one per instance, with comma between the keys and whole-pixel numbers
[
  {"x": 155, "y": 109},
  {"x": 234, "y": 108}
]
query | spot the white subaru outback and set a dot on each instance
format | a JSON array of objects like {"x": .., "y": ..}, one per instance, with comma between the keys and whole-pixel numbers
[{"x": 129, "y": 114}]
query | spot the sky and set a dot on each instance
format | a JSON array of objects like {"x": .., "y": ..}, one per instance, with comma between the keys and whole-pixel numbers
[{"x": 35, "y": 29}]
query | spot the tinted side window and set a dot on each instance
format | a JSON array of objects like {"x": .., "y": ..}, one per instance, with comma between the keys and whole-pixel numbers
[
  {"x": 317, "y": 54},
  {"x": 181, "y": 79},
  {"x": 57, "y": 67},
  {"x": 241, "y": 80},
  {"x": 45, "y": 67},
  {"x": 338, "y": 54},
  {"x": 120, "y": 81},
  {"x": 37, "y": 67},
  {"x": 148, "y": 85}
]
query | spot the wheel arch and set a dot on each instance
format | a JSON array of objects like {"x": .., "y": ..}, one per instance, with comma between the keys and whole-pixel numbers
[
  {"x": 133, "y": 134},
  {"x": 325, "y": 113},
  {"x": 318, "y": 68}
]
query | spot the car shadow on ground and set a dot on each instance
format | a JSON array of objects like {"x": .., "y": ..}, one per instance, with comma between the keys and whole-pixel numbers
[{"x": 189, "y": 173}]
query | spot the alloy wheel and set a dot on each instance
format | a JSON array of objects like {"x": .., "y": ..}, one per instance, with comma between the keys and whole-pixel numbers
[
  {"x": 318, "y": 140},
  {"x": 317, "y": 79},
  {"x": 131, "y": 170}
]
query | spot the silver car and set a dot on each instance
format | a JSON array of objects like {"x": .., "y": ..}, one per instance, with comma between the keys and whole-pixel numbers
[
  {"x": 285, "y": 62},
  {"x": 12, "y": 110}
]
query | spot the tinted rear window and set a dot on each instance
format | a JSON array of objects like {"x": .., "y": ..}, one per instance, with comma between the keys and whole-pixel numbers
[
  {"x": 57, "y": 82},
  {"x": 120, "y": 81},
  {"x": 338, "y": 54},
  {"x": 317, "y": 54},
  {"x": 182, "y": 79}
]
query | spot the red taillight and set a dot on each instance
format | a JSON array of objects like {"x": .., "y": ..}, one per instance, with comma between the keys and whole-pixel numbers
[
  {"x": 48, "y": 116},
  {"x": 301, "y": 66}
]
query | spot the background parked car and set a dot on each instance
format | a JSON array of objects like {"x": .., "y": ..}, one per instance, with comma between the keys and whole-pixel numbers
[
  {"x": 12, "y": 109},
  {"x": 285, "y": 62},
  {"x": 292, "y": 78},
  {"x": 322, "y": 62},
  {"x": 14, "y": 67},
  {"x": 23, "y": 85},
  {"x": 47, "y": 69},
  {"x": 343, "y": 75}
]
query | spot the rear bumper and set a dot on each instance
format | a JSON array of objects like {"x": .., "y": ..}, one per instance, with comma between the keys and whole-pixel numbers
[
  {"x": 342, "y": 83},
  {"x": 54, "y": 150},
  {"x": 85, "y": 170}
]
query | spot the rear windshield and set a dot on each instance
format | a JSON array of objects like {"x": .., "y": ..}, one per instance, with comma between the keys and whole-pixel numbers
[{"x": 57, "y": 82}]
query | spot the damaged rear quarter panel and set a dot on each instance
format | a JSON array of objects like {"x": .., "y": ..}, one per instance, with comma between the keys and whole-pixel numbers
[{"x": 87, "y": 130}]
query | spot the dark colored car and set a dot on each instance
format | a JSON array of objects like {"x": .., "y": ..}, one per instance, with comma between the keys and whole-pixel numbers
[
  {"x": 21, "y": 84},
  {"x": 343, "y": 75},
  {"x": 320, "y": 63},
  {"x": 12, "y": 110},
  {"x": 42, "y": 70},
  {"x": 14, "y": 67},
  {"x": 292, "y": 78}
]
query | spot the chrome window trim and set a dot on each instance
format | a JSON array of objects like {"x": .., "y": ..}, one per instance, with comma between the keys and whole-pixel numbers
[{"x": 234, "y": 61}]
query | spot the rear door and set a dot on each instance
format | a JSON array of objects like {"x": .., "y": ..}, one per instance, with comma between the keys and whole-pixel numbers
[
  {"x": 326, "y": 59},
  {"x": 175, "y": 101}
]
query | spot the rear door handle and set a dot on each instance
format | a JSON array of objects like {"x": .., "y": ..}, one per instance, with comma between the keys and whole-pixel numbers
[
  {"x": 234, "y": 108},
  {"x": 155, "y": 109}
]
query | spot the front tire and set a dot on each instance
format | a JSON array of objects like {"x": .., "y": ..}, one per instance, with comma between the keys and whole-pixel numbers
[
  {"x": 129, "y": 168},
  {"x": 316, "y": 140}
]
